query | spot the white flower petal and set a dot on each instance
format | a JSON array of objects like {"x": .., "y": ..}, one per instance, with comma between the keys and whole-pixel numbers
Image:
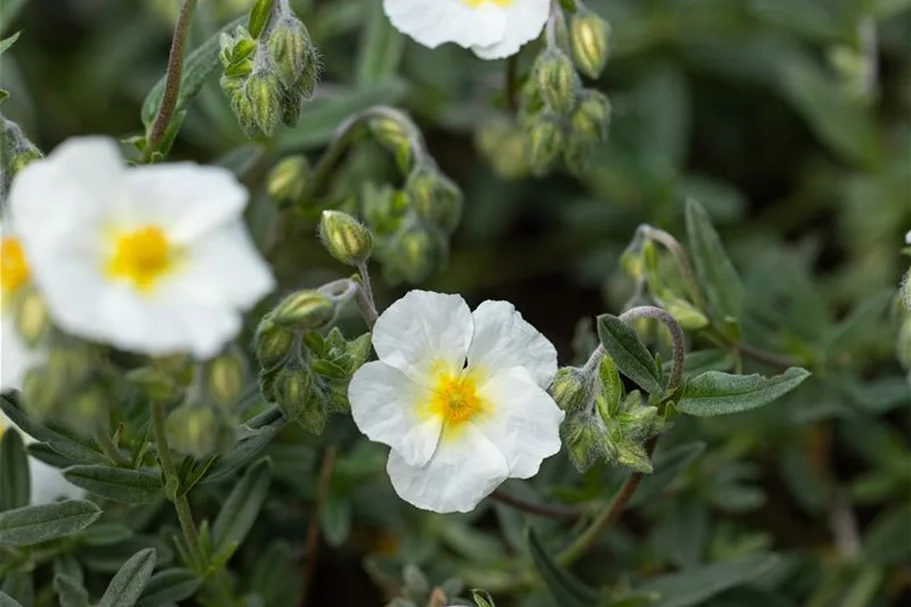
[
  {"x": 503, "y": 340},
  {"x": 185, "y": 199},
  {"x": 524, "y": 21},
  {"x": 386, "y": 406},
  {"x": 435, "y": 22},
  {"x": 422, "y": 330},
  {"x": 49, "y": 484},
  {"x": 463, "y": 470},
  {"x": 523, "y": 423},
  {"x": 16, "y": 358}
]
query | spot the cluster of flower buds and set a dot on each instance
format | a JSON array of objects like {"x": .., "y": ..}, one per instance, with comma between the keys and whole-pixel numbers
[
  {"x": 16, "y": 151},
  {"x": 560, "y": 118},
  {"x": 303, "y": 371},
  {"x": 604, "y": 423},
  {"x": 271, "y": 68}
]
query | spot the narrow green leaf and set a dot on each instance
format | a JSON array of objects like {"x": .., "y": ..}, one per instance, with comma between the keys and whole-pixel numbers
[
  {"x": 117, "y": 484},
  {"x": 198, "y": 66},
  {"x": 127, "y": 586},
  {"x": 241, "y": 508},
  {"x": 169, "y": 586},
  {"x": 629, "y": 353},
  {"x": 566, "y": 589},
  {"x": 381, "y": 48},
  {"x": 36, "y": 524},
  {"x": 44, "y": 453},
  {"x": 258, "y": 433},
  {"x": 60, "y": 439},
  {"x": 716, "y": 393},
  {"x": 105, "y": 534},
  {"x": 8, "y": 601},
  {"x": 695, "y": 586},
  {"x": 15, "y": 482},
  {"x": 8, "y": 42},
  {"x": 9, "y": 10},
  {"x": 259, "y": 17},
  {"x": 716, "y": 274},
  {"x": 19, "y": 586},
  {"x": 668, "y": 465},
  {"x": 70, "y": 592}
]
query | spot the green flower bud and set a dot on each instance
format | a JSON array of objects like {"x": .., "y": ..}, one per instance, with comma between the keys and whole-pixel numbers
[
  {"x": 434, "y": 197},
  {"x": 543, "y": 143},
  {"x": 291, "y": 49},
  {"x": 267, "y": 384},
  {"x": 502, "y": 144},
  {"x": 609, "y": 388},
  {"x": 314, "y": 414},
  {"x": 292, "y": 389},
  {"x": 412, "y": 256},
  {"x": 307, "y": 309},
  {"x": 569, "y": 388},
  {"x": 31, "y": 317},
  {"x": 577, "y": 155},
  {"x": 199, "y": 431},
  {"x": 263, "y": 91},
  {"x": 589, "y": 37},
  {"x": 346, "y": 239},
  {"x": 556, "y": 79},
  {"x": 392, "y": 131},
  {"x": 685, "y": 313},
  {"x": 632, "y": 455},
  {"x": 591, "y": 116},
  {"x": 272, "y": 344},
  {"x": 288, "y": 179},
  {"x": 240, "y": 105},
  {"x": 584, "y": 437},
  {"x": 155, "y": 384},
  {"x": 226, "y": 377}
]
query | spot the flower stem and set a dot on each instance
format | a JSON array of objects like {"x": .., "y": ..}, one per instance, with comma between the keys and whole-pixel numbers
[
  {"x": 312, "y": 547},
  {"x": 556, "y": 512},
  {"x": 172, "y": 81},
  {"x": 111, "y": 450},
  {"x": 678, "y": 343},
  {"x": 364, "y": 296}
]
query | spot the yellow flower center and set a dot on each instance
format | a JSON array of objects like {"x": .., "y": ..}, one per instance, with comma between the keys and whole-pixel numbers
[
  {"x": 477, "y": 3},
  {"x": 14, "y": 270},
  {"x": 142, "y": 257},
  {"x": 455, "y": 399}
]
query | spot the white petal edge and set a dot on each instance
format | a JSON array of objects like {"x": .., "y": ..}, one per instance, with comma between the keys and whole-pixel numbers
[
  {"x": 386, "y": 407},
  {"x": 523, "y": 423},
  {"x": 423, "y": 330},
  {"x": 463, "y": 470},
  {"x": 439, "y": 21},
  {"x": 49, "y": 484},
  {"x": 503, "y": 339},
  {"x": 524, "y": 21}
]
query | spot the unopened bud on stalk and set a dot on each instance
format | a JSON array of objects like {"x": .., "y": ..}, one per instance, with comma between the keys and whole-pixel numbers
[
  {"x": 502, "y": 144},
  {"x": 86, "y": 412},
  {"x": 264, "y": 93},
  {"x": 393, "y": 133},
  {"x": 556, "y": 79},
  {"x": 591, "y": 116},
  {"x": 272, "y": 343},
  {"x": 292, "y": 389},
  {"x": 413, "y": 255},
  {"x": 306, "y": 309},
  {"x": 32, "y": 321},
  {"x": 569, "y": 388},
  {"x": 347, "y": 240},
  {"x": 584, "y": 441},
  {"x": 226, "y": 375},
  {"x": 434, "y": 197},
  {"x": 293, "y": 53},
  {"x": 544, "y": 142},
  {"x": 314, "y": 414},
  {"x": 589, "y": 37},
  {"x": 288, "y": 179}
]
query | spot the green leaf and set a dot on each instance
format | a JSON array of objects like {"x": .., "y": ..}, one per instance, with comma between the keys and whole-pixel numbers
[
  {"x": 716, "y": 274},
  {"x": 42, "y": 452},
  {"x": 240, "y": 510},
  {"x": 275, "y": 577},
  {"x": 70, "y": 591},
  {"x": 257, "y": 433},
  {"x": 127, "y": 586},
  {"x": 668, "y": 465},
  {"x": 7, "y": 601},
  {"x": 19, "y": 586},
  {"x": 717, "y": 393},
  {"x": 259, "y": 17},
  {"x": 59, "y": 438},
  {"x": 629, "y": 353},
  {"x": 117, "y": 484},
  {"x": 695, "y": 586},
  {"x": 8, "y": 42},
  {"x": 169, "y": 586},
  {"x": 322, "y": 117},
  {"x": 567, "y": 590},
  {"x": 15, "y": 482},
  {"x": 853, "y": 330},
  {"x": 36, "y": 524},
  {"x": 381, "y": 48},
  {"x": 105, "y": 534},
  {"x": 10, "y": 9},
  {"x": 198, "y": 66}
]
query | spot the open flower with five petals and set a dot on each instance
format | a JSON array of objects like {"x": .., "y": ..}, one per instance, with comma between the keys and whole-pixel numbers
[{"x": 459, "y": 396}]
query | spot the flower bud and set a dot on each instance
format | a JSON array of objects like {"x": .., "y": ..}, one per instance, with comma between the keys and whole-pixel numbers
[
  {"x": 267, "y": 384},
  {"x": 392, "y": 131},
  {"x": 556, "y": 79},
  {"x": 243, "y": 110},
  {"x": 307, "y": 309},
  {"x": 292, "y": 389},
  {"x": 544, "y": 142},
  {"x": 263, "y": 91},
  {"x": 610, "y": 388},
  {"x": 434, "y": 197},
  {"x": 288, "y": 179},
  {"x": 236, "y": 52},
  {"x": 272, "y": 344},
  {"x": 591, "y": 116},
  {"x": 226, "y": 375},
  {"x": 577, "y": 155},
  {"x": 314, "y": 414},
  {"x": 589, "y": 38},
  {"x": 412, "y": 256},
  {"x": 154, "y": 384},
  {"x": 199, "y": 431},
  {"x": 346, "y": 239},
  {"x": 291, "y": 49},
  {"x": 32, "y": 321},
  {"x": 583, "y": 438},
  {"x": 569, "y": 388},
  {"x": 685, "y": 313},
  {"x": 502, "y": 144}
]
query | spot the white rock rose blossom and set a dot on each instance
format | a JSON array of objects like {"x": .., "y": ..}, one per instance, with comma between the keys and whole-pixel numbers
[
  {"x": 47, "y": 483},
  {"x": 493, "y": 29},
  {"x": 459, "y": 396},
  {"x": 16, "y": 357},
  {"x": 154, "y": 259}
]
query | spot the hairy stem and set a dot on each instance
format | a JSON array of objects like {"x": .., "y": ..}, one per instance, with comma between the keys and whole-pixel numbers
[
  {"x": 678, "y": 343},
  {"x": 364, "y": 296},
  {"x": 172, "y": 81}
]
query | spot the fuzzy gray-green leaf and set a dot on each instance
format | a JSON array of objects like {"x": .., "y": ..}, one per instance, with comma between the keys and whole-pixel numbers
[
  {"x": 15, "y": 482},
  {"x": 632, "y": 358},
  {"x": 126, "y": 587},
  {"x": 716, "y": 274},
  {"x": 717, "y": 393},
  {"x": 117, "y": 484},
  {"x": 36, "y": 524},
  {"x": 239, "y": 512}
]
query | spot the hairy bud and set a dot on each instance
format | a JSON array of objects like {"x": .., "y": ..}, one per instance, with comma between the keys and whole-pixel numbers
[
  {"x": 264, "y": 93},
  {"x": 392, "y": 131},
  {"x": 434, "y": 197},
  {"x": 292, "y": 389},
  {"x": 346, "y": 239},
  {"x": 544, "y": 142},
  {"x": 502, "y": 143},
  {"x": 288, "y": 179},
  {"x": 272, "y": 343},
  {"x": 556, "y": 80},
  {"x": 591, "y": 116},
  {"x": 292, "y": 50},
  {"x": 307, "y": 309},
  {"x": 589, "y": 38},
  {"x": 569, "y": 388},
  {"x": 226, "y": 375},
  {"x": 583, "y": 437},
  {"x": 412, "y": 256}
]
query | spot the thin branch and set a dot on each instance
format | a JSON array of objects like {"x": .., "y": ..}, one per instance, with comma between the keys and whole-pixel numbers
[
  {"x": 776, "y": 360},
  {"x": 312, "y": 547},
  {"x": 172, "y": 81},
  {"x": 677, "y": 338},
  {"x": 567, "y": 513},
  {"x": 364, "y": 297}
]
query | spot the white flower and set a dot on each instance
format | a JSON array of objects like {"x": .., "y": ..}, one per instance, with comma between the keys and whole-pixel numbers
[
  {"x": 493, "y": 29},
  {"x": 16, "y": 358},
  {"x": 457, "y": 430},
  {"x": 47, "y": 482},
  {"x": 153, "y": 259}
]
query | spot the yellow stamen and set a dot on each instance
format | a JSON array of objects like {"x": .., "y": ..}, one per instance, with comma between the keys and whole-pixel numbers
[
  {"x": 142, "y": 257},
  {"x": 455, "y": 399},
  {"x": 477, "y": 3},
  {"x": 14, "y": 270}
]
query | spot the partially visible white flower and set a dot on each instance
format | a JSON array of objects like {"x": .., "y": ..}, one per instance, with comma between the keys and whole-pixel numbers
[
  {"x": 16, "y": 357},
  {"x": 154, "y": 259},
  {"x": 493, "y": 29},
  {"x": 459, "y": 397},
  {"x": 908, "y": 238},
  {"x": 47, "y": 483}
]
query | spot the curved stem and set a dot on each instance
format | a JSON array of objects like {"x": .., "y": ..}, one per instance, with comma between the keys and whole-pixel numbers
[
  {"x": 364, "y": 296},
  {"x": 172, "y": 81},
  {"x": 678, "y": 343},
  {"x": 682, "y": 258},
  {"x": 567, "y": 513}
]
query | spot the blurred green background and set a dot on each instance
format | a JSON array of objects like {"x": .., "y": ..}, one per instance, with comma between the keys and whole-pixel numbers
[{"x": 787, "y": 119}]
